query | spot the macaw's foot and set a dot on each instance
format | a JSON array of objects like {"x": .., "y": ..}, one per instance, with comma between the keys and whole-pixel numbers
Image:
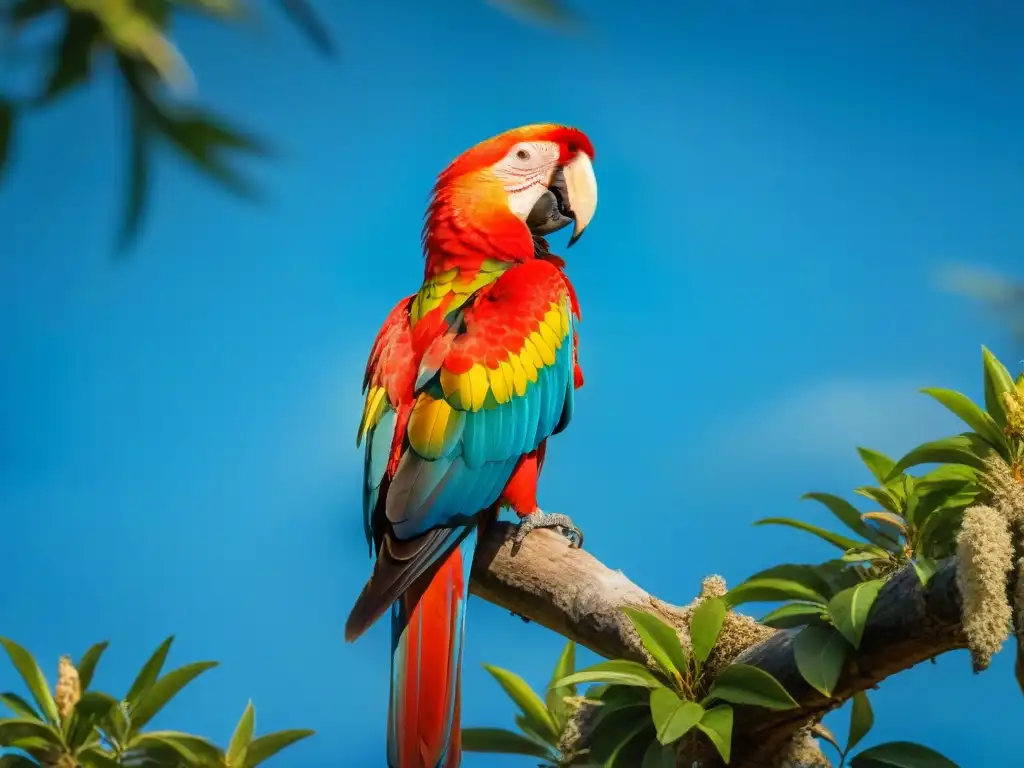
[
  {"x": 520, "y": 616},
  {"x": 540, "y": 519}
]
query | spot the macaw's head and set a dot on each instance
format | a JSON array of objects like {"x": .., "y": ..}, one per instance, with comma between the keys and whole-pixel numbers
[{"x": 524, "y": 183}]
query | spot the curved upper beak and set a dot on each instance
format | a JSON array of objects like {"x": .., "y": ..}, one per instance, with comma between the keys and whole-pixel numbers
[
  {"x": 571, "y": 196},
  {"x": 581, "y": 190}
]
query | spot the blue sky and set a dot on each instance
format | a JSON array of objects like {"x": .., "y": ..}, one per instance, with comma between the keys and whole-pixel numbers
[{"x": 779, "y": 183}]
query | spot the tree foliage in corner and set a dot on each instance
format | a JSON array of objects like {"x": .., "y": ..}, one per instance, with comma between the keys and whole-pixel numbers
[
  {"x": 638, "y": 716},
  {"x": 156, "y": 80},
  {"x": 73, "y": 726}
]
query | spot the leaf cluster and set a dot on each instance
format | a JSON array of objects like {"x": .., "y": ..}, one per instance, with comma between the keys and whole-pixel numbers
[
  {"x": 101, "y": 731},
  {"x": 642, "y": 714},
  {"x": 154, "y": 76},
  {"x": 916, "y": 523}
]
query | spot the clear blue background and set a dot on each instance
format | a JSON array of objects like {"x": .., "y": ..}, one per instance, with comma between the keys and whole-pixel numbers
[{"x": 780, "y": 181}]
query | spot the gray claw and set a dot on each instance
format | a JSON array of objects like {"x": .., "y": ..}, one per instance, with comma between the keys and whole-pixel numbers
[{"x": 563, "y": 523}]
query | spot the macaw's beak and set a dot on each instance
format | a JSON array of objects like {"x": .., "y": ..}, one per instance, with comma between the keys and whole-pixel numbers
[{"x": 571, "y": 197}]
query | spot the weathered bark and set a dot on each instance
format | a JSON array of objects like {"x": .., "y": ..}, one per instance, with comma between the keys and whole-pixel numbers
[{"x": 574, "y": 594}]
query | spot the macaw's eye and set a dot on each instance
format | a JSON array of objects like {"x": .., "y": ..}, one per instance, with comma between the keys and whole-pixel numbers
[{"x": 522, "y": 154}]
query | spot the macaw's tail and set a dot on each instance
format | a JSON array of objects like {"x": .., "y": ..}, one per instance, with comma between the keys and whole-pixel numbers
[{"x": 426, "y": 661}]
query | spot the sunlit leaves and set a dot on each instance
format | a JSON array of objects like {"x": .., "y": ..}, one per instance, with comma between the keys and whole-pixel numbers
[
  {"x": 843, "y": 542},
  {"x": 783, "y": 582},
  {"x": 615, "y": 672},
  {"x": 673, "y": 717},
  {"x": 660, "y": 640},
  {"x": 86, "y": 665},
  {"x": 33, "y": 677},
  {"x": 973, "y": 416},
  {"x": 997, "y": 381},
  {"x": 265, "y": 747},
  {"x": 849, "y": 609},
  {"x": 705, "y": 626},
  {"x": 717, "y": 726},
  {"x": 529, "y": 703},
  {"x": 744, "y": 684},
  {"x": 555, "y": 697},
  {"x": 968, "y": 449},
  {"x": 862, "y": 720}
]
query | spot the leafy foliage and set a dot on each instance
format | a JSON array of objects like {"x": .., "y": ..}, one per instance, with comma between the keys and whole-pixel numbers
[
  {"x": 156, "y": 80},
  {"x": 92, "y": 729},
  {"x": 641, "y": 714}
]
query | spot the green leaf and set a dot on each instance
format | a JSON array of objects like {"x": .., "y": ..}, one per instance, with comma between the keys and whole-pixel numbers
[
  {"x": 19, "y": 706},
  {"x": 877, "y": 463},
  {"x": 27, "y": 733},
  {"x": 862, "y": 719},
  {"x": 820, "y": 652},
  {"x": 196, "y": 750},
  {"x": 241, "y": 738},
  {"x": 137, "y": 185},
  {"x": 843, "y": 542},
  {"x": 501, "y": 741},
  {"x": 86, "y": 665},
  {"x": 925, "y": 569},
  {"x": 793, "y": 615},
  {"x": 845, "y": 512},
  {"x": 528, "y": 727},
  {"x": 744, "y": 684},
  {"x": 850, "y": 608},
  {"x": 884, "y": 497},
  {"x": 201, "y": 137},
  {"x": 616, "y": 672},
  {"x": 265, "y": 747},
  {"x": 34, "y": 678},
  {"x": 659, "y": 756},
  {"x": 91, "y": 710},
  {"x": 150, "y": 671},
  {"x": 705, "y": 626},
  {"x": 937, "y": 535},
  {"x": 967, "y": 449},
  {"x": 310, "y": 24},
  {"x": 997, "y": 381},
  {"x": 6, "y": 129},
  {"x": 717, "y": 726},
  {"x": 154, "y": 698},
  {"x": 660, "y": 640},
  {"x": 673, "y": 717},
  {"x": 783, "y": 582},
  {"x": 968, "y": 412},
  {"x": 555, "y": 697},
  {"x": 901, "y": 754},
  {"x": 529, "y": 703},
  {"x": 74, "y": 54}
]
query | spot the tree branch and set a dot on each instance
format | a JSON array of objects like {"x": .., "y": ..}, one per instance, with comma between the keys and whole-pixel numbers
[{"x": 571, "y": 592}]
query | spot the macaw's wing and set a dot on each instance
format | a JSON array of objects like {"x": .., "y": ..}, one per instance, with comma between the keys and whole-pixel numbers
[
  {"x": 492, "y": 387},
  {"x": 388, "y": 386}
]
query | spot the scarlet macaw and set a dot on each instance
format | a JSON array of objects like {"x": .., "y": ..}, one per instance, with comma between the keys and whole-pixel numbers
[{"x": 466, "y": 381}]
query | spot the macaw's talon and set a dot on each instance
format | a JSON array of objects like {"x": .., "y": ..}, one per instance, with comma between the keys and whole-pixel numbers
[
  {"x": 520, "y": 616},
  {"x": 563, "y": 523}
]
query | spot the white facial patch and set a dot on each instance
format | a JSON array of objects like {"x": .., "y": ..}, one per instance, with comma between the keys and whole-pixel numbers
[{"x": 525, "y": 172}]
